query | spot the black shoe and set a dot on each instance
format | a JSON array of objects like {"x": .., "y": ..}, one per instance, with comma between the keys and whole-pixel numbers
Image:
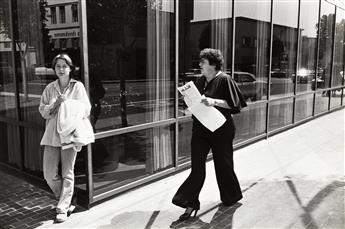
[
  {"x": 187, "y": 215},
  {"x": 71, "y": 209}
]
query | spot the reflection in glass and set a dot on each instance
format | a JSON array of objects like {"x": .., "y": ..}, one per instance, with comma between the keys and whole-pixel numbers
[
  {"x": 325, "y": 47},
  {"x": 251, "y": 122},
  {"x": 79, "y": 169},
  {"x": 125, "y": 158},
  {"x": 203, "y": 24},
  {"x": 33, "y": 158},
  {"x": 184, "y": 141},
  {"x": 336, "y": 98},
  {"x": 35, "y": 49},
  {"x": 304, "y": 107},
  {"x": 284, "y": 47},
  {"x": 131, "y": 58},
  {"x": 252, "y": 48},
  {"x": 9, "y": 147},
  {"x": 308, "y": 45},
  {"x": 280, "y": 113},
  {"x": 321, "y": 102},
  {"x": 338, "y": 73},
  {"x": 7, "y": 87}
]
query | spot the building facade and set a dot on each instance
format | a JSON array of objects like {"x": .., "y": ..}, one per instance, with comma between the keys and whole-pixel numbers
[{"x": 286, "y": 56}]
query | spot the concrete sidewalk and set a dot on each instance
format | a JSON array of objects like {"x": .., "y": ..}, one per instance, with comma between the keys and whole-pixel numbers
[{"x": 292, "y": 180}]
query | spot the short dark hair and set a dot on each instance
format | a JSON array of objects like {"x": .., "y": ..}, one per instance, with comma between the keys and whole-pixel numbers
[
  {"x": 214, "y": 57},
  {"x": 67, "y": 58}
]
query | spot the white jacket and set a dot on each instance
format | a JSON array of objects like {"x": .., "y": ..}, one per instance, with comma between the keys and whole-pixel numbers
[{"x": 74, "y": 128}]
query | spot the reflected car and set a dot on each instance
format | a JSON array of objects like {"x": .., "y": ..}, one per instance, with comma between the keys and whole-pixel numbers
[
  {"x": 320, "y": 82},
  {"x": 303, "y": 75},
  {"x": 279, "y": 74},
  {"x": 250, "y": 87},
  {"x": 44, "y": 73}
]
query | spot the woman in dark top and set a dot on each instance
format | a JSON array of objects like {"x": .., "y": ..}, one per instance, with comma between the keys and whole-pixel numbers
[{"x": 220, "y": 91}]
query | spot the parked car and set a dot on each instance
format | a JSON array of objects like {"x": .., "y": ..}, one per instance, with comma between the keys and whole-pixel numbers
[
  {"x": 250, "y": 87},
  {"x": 280, "y": 74},
  {"x": 303, "y": 76},
  {"x": 45, "y": 73}
]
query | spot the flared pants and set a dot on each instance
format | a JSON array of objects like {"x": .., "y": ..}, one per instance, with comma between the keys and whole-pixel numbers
[{"x": 221, "y": 143}]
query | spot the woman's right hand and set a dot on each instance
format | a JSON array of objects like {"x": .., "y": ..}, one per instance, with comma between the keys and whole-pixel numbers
[{"x": 57, "y": 104}]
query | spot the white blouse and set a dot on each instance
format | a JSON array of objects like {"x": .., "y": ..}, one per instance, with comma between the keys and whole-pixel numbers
[{"x": 74, "y": 90}]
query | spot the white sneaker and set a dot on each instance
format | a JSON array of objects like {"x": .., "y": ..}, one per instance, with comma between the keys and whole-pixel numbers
[{"x": 60, "y": 217}]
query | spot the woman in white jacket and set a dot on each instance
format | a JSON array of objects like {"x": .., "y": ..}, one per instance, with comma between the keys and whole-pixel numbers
[{"x": 55, "y": 93}]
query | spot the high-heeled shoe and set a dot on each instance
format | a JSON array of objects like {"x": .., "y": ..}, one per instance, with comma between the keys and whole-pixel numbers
[{"x": 187, "y": 215}]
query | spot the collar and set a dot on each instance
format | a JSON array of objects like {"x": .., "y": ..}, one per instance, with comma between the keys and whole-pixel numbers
[
  {"x": 218, "y": 73},
  {"x": 57, "y": 87}
]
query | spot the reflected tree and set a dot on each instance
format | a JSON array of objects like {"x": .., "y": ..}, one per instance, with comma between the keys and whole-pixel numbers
[
  {"x": 27, "y": 18},
  {"x": 112, "y": 24},
  {"x": 339, "y": 41},
  {"x": 326, "y": 33}
]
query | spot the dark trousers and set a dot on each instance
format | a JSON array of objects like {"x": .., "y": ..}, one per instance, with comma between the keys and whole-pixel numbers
[{"x": 220, "y": 142}]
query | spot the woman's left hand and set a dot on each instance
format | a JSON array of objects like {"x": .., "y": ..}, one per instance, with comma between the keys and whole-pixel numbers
[{"x": 208, "y": 101}]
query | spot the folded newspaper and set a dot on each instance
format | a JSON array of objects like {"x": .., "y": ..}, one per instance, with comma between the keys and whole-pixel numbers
[{"x": 209, "y": 116}]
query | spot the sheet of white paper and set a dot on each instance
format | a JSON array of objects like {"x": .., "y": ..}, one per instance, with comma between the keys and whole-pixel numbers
[
  {"x": 209, "y": 116},
  {"x": 190, "y": 93}
]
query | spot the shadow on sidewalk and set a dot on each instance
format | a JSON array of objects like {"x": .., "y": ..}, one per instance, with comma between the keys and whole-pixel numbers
[
  {"x": 221, "y": 219},
  {"x": 307, "y": 209}
]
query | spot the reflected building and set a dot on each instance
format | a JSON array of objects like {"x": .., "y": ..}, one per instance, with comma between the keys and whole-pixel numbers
[
  {"x": 132, "y": 55},
  {"x": 63, "y": 26}
]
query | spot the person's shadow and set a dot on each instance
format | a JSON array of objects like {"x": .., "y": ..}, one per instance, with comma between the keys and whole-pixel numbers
[{"x": 222, "y": 218}]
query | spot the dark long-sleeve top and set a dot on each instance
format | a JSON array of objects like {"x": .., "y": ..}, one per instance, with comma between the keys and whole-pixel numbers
[{"x": 222, "y": 87}]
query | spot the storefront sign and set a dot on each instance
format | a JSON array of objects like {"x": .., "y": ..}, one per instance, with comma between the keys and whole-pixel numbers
[{"x": 66, "y": 33}]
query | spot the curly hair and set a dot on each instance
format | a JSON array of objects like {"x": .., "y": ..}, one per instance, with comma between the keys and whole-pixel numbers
[{"x": 214, "y": 57}]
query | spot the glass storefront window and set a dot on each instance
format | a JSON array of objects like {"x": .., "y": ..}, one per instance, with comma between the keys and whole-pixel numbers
[
  {"x": 33, "y": 152},
  {"x": 327, "y": 18},
  {"x": 251, "y": 122},
  {"x": 338, "y": 73},
  {"x": 252, "y": 38},
  {"x": 131, "y": 62},
  {"x": 122, "y": 159},
  {"x": 203, "y": 24},
  {"x": 335, "y": 98},
  {"x": 321, "y": 101},
  {"x": 34, "y": 51},
  {"x": 304, "y": 107},
  {"x": 79, "y": 170},
  {"x": 9, "y": 147},
  {"x": 184, "y": 141},
  {"x": 284, "y": 47},
  {"x": 280, "y": 113},
  {"x": 309, "y": 14},
  {"x": 7, "y": 87}
]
